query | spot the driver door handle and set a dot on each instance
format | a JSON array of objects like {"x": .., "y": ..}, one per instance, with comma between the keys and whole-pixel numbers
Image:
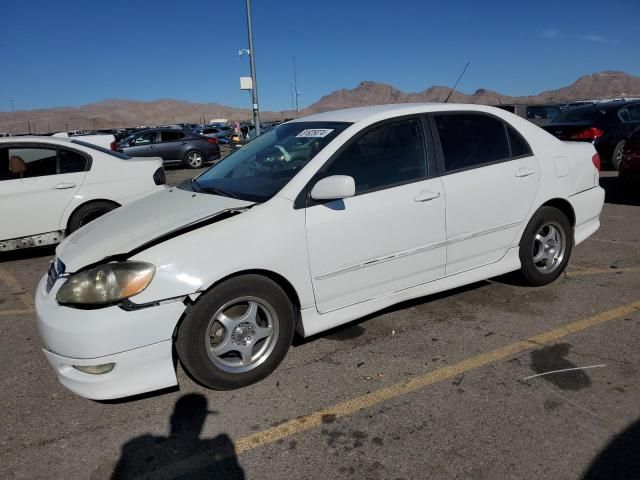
[
  {"x": 524, "y": 172},
  {"x": 426, "y": 196},
  {"x": 62, "y": 186}
]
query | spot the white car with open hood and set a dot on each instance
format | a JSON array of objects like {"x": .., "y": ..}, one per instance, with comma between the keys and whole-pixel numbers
[
  {"x": 51, "y": 186},
  {"x": 317, "y": 222}
]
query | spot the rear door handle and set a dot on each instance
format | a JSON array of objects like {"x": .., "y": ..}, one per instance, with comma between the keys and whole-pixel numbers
[
  {"x": 524, "y": 172},
  {"x": 62, "y": 186},
  {"x": 183, "y": 143},
  {"x": 426, "y": 196}
]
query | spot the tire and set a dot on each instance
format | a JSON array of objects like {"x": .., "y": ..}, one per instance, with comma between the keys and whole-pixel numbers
[
  {"x": 546, "y": 246},
  {"x": 193, "y": 159},
  {"x": 89, "y": 212},
  {"x": 616, "y": 156},
  {"x": 212, "y": 353}
]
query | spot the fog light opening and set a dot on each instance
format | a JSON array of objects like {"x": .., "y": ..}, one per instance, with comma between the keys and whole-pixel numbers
[{"x": 95, "y": 369}]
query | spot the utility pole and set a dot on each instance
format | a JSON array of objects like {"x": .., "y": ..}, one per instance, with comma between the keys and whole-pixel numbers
[
  {"x": 252, "y": 62},
  {"x": 12, "y": 109},
  {"x": 295, "y": 85}
]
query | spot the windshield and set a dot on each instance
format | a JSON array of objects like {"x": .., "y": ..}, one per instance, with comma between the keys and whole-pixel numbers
[{"x": 262, "y": 167}]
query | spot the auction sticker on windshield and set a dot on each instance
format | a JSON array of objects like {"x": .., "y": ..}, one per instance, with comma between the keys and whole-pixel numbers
[{"x": 315, "y": 132}]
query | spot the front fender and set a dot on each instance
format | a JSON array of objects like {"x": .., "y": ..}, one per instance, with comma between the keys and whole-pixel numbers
[{"x": 269, "y": 237}]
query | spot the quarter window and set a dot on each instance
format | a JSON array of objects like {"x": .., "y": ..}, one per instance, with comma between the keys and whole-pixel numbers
[
  {"x": 471, "y": 140},
  {"x": 71, "y": 162},
  {"x": 519, "y": 148},
  {"x": 384, "y": 156}
]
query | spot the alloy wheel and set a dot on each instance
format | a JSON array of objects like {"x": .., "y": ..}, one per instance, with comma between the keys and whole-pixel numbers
[
  {"x": 241, "y": 334},
  {"x": 549, "y": 247}
]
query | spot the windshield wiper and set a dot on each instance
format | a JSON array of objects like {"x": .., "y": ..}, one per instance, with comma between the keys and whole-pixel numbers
[{"x": 216, "y": 191}]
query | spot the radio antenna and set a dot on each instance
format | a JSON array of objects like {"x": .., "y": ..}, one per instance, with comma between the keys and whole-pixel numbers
[{"x": 456, "y": 84}]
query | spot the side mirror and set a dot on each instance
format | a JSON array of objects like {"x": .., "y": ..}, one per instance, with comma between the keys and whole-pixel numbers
[{"x": 334, "y": 187}]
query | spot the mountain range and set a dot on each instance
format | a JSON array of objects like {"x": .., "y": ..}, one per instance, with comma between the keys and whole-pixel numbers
[{"x": 127, "y": 113}]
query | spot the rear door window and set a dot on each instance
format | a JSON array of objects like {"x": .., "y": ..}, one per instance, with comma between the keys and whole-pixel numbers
[
  {"x": 471, "y": 140},
  {"x": 171, "y": 135},
  {"x": 32, "y": 162},
  {"x": 630, "y": 113}
]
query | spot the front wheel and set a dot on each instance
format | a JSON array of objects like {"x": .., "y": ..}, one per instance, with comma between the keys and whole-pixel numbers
[
  {"x": 545, "y": 246},
  {"x": 194, "y": 159},
  {"x": 237, "y": 333}
]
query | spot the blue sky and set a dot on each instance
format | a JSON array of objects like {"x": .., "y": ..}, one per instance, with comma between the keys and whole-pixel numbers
[{"x": 76, "y": 52}]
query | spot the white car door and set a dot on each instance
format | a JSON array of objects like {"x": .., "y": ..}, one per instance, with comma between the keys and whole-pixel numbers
[
  {"x": 490, "y": 178},
  {"x": 32, "y": 200},
  {"x": 391, "y": 234}
]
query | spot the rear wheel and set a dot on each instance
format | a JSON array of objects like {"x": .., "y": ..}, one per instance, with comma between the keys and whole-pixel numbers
[
  {"x": 237, "y": 333},
  {"x": 193, "y": 159},
  {"x": 545, "y": 246},
  {"x": 616, "y": 158},
  {"x": 89, "y": 212}
]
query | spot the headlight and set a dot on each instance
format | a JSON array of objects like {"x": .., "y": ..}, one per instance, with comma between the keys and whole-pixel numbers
[{"x": 106, "y": 283}]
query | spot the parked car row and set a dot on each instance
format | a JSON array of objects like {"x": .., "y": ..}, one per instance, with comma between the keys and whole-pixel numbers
[
  {"x": 172, "y": 145},
  {"x": 606, "y": 125}
]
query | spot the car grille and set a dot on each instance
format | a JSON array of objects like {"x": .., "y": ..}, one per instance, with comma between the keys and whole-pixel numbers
[{"x": 56, "y": 270}]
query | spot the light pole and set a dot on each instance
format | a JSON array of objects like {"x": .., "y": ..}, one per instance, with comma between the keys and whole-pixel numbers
[
  {"x": 252, "y": 62},
  {"x": 295, "y": 85}
]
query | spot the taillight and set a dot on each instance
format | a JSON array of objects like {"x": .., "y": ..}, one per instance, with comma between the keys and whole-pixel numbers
[
  {"x": 591, "y": 134},
  {"x": 159, "y": 178},
  {"x": 596, "y": 161},
  {"x": 114, "y": 146},
  {"x": 212, "y": 140}
]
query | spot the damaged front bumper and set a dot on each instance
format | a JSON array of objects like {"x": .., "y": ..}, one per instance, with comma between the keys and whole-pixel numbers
[{"x": 138, "y": 342}]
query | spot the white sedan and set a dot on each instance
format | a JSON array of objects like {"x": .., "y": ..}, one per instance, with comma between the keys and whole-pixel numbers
[
  {"x": 51, "y": 186},
  {"x": 319, "y": 221}
]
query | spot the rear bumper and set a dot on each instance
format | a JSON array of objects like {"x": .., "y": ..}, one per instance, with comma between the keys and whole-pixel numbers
[{"x": 587, "y": 206}]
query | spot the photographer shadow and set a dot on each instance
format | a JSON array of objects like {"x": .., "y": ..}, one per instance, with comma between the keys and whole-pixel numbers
[{"x": 183, "y": 454}]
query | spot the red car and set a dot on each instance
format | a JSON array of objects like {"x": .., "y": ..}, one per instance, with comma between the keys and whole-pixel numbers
[{"x": 630, "y": 163}]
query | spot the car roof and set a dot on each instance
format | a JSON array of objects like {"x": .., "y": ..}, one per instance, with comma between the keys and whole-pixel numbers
[
  {"x": 603, "y": 106},
  {"x": 358, "y": 114},
  {"x": 37, "y": 139}
]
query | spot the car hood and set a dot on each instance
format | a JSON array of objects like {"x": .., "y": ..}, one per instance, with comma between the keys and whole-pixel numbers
[{"x": 146, "y": 220}]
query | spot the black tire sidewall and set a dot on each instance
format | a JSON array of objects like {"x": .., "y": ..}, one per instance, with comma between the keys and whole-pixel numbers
[
  {"x": 528, "y": 268},
  {"x": 614, "y": 162},
  {"x": 75, "y": 222},
  {"x": 190, "y": 345},
  {"x": 186, "y": 158}
]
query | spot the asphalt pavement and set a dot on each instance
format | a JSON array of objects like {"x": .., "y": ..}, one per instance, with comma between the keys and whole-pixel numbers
[{"x": 455, "y": 385}]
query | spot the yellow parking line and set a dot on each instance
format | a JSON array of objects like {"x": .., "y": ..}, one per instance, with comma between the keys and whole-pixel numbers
[
  {"x": 597, "y": 271},
  {"x": 16, "y": 288},
  {"x": 399, "y": 389},
  {"x": 356, "y": 404}
]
